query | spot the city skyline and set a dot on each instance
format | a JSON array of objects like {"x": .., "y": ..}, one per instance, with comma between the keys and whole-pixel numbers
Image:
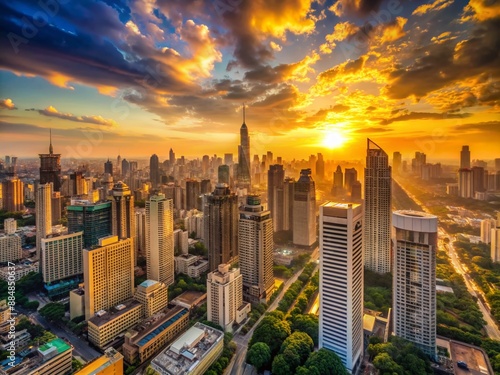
[{"x": 321, "y": 77}]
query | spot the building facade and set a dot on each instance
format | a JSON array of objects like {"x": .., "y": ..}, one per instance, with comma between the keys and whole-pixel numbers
[
  {"x": 62, "y": 257},
  {"x": 43, "y": 216},
  {"x": 94, "y": 219},
  {"x": 495, "y": 241},
  {"x": 304, "y": 210},
  {"x": 153, "y": 295}
]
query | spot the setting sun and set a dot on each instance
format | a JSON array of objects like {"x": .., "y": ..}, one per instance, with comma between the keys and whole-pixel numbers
[{"x": 333, "y": 139}]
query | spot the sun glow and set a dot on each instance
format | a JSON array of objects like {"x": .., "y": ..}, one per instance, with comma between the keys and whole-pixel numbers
[{"x": 333, "y": 139}]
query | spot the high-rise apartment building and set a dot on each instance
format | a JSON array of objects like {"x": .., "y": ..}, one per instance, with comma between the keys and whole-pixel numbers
[
  {"x": 160, "y": 239},
  {"x": 154, "y": 171},
  {"x": 225, "y": 304},
  {"x": 304, "y": 208},
  {"x": 244, "y": 179},
  {"x": 10, "y": 243},
  {"x": 122, "y": 212},
  {"x": 415, "y": 246},
  {"x": 94, "y": 219},
  {"x": 10, "y": 226},
  {"x": 43, "y": 215},
  {"x": 192, "y": 193},
  {"x": 61, "y": 257},
  {"x": 341, "y": 282},
  {"x": 221, "y": 226},
  {"x": 486, "y": 226},
  {"x": 108, "y": 274},
  {"x": 12, "y": 194},
  {"x": 275, "y": 182},
  {"x": 50, "y": 168},
  {"x": 255, "y": 249},
  {"x": 465, "y": 157},
  {"x": 377, "y": 223},
  {"x": 495, "y": 241},
  {"x": 465, "y": 186}
]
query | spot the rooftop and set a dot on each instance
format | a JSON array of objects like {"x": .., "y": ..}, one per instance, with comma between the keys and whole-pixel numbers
[
  {"x": 148, "y": 283},
  {"x": 189, "y": 297},
  {"x": 59, "y": 345},
  {"x": 114, "y": 313}
]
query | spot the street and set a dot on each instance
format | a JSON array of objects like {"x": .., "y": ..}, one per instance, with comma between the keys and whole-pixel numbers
[{"x": 237, "y": 367}]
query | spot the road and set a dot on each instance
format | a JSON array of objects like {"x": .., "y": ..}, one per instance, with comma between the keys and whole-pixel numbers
[
  {"x": 80, "y": 347},
  {"x": 237, "y": 365},
  {"x": 491, "y": 327}
]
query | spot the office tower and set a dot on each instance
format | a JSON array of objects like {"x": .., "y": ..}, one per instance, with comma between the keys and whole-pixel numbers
[
  {"x": 320, "y": 167},
  {"x": 12, "y": 194},
  {"x": 179, "y": 198},
  {"x": 43, "y": 215},
  {"x": 477, "y": 180},
  {"x": 171, "y": 157},
  {"x": 228, "y": 159},
  {"x": 486, "y": 226},
  {"x": 244, "y": 156},
  {"x": 225, "y": 304},
  {"x": 94, "y": 219},
  {"x": 341, "y": 282},
  {"x": 351, "y": 176},
  {"x": 465, "y": 157},
  {"x": 205, "y": 165},
  {"x": 417, "y": 162},
  {"x": 119, "y": 166},
  {"x": 125, "y": 168},
  {"x": 108, "y": 274},
  {"x": 255, "y": 249},
  {"x": 396, "y": 162},
  {"x": 288, "y": 199},
  {"x": 312, "y": 165},
  {"x": 269, "y": 157},
  {"x": 495, "y": 241},
  {"x": 62, "y": 257},
  {"x": 122, "y": 212},
  {"x": 77, "y": 184},
  {"x": 356, "y": 191},
  {"x": 192, "y": 193},
  {"x": 465, "y": 187},
  {"x": 154, "y": 170},
  {"x": 377, "y": 224},
  {"x": 205, "y": 187},
  {"x": 275, "y": 181},
  {"x": 220, "y": 219},
  {"x": 160, "y": 239},
  {"x": 50, "y": 168},
  {"x": 338, "y": 182},
  {"x": 140, "y": 230},
  {"x": 108, "y": 167},
  {"x": 10, "y": 243},
  {"x": 223, "y": 174},
  {"x": 7, "y": 160},
  {"x": 415, "y": 246},
  {"x": 304, "y": 208}
]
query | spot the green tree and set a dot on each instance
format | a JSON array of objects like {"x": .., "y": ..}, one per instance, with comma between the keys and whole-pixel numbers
[
  {"x": 271, "y": 331},
  {"x": 325, "y": 362},
  {"x": 281, "y": 365},
  {"x": 308, "y": 324},
  {"x": 259, "y": 355},
  {"x": 386, "y": 365},
  {"x": 296, "y": 348},
  {"x": 53, "y": 311}
]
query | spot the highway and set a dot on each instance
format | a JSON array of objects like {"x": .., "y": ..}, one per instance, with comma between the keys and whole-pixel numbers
[
  {"x": 491, "y": 327},
  {"x": 237, "y": 365}
]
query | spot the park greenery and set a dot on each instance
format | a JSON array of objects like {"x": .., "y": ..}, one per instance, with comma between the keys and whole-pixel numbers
[
  {"x": 18, "y": 215},
  {"x": 39, "y": 335},
  {"x": 377, "y": 291},
  {"x": 53, "y": 311},
  {"x": 184, "y": 283},
  {"x": 398, "y": 356},
  {"x": 32, "y": 282}
]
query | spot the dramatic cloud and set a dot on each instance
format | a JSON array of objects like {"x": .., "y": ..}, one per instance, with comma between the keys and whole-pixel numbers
[
  {"x": 355, "y": 7},
  {"x": 432, "y": 7},
  {"x": 96, "y": 120},
  {"x": 7, "y": 104},
  {"x": 423, "y": 116}
]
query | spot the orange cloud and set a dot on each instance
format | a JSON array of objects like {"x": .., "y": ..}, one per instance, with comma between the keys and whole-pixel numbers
[
  {"x": 51, "y": 111},
  {"x": 7, "y": 104},
  {"x": 434, "y": 7}
]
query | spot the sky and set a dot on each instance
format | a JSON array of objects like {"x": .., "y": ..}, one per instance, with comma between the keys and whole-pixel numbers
[{"x": 140, "y": 77}]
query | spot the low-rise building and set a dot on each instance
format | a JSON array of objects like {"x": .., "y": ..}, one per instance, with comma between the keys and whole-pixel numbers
[
  {"x": 183, "y": 261},
  {"x": 192, "y": 353},
  {"x": 4, "y": 317},
  {"x": 20, "y": 340},
  {"x": 198, "y": 268},
  {"x": 10, "y": 248},
  {"x": 189, "y": 299},
  {"x": 111, "y": 363},
  {"x": 77, "y": 303},
  {"x": 153, "y": 295},
  {"x": 106, "y": 326},
  {"x": 145, "y": 340},
  {"x": 20, "y": 270}
]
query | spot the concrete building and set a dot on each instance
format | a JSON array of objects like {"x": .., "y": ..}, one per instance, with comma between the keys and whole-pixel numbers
[
  {"x": 377, "y": 222},
  {"x": 122, "y": 213},
  {"x": 465, "y": 188},
  {"x": 107, "y": 325},
  {"x": 154, "y": 171},
  {"x": 111, "y": 363},
  {"x": 20, "y": 270},
  {"x": 244, "y": 169},
  {"x": 495, "y": 241},
  {"x": 225, "y": 304},
  {"x": 223, "y": 176},
  {"x": 10, "y": 247},
  {"x": 304, "y": 209},
  {"x": 338, "y": 182},
  {"x": 341, "y": 282},
  {"x": 140, "y": 230},
  {"x": 108, "y": 273},
  {"x": 94, "y": 219},
  {"x": 153, "y": 295},
  {"x": 43, "y": 217},
  {"x": 150, "y": 336},
  {"x": 77, "y": 302},
  {"x": 486, "y": 226},
  {"x": 62, "y": 257},
  {"x": 255, "y": 249},
  {"x": 221, "y": 227},
  {"x": 160, "y": 239},
  {"x": 465, "y": 157},
  {"x": 275, "y": 180},
  {"x": 12, "y": 194},
  {"x": 415, "y": 246},
  {"x": 50, "y": 168},
  {"x": 181, "y": 241},
  {"x": 192, "y": 353},
  {"x": 396, "y": 162},
  {"x": 10, "y": 226}
]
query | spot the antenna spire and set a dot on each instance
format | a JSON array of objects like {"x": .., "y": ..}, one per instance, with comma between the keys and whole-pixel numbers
[
  {"x": 243, "y": 112},
  {"x": 51, "y": 150}
]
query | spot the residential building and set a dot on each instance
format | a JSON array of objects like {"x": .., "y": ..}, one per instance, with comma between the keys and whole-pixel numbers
[
  {"x": 20, "y": 270},
  {"x": 486, "y": 226},
  {"x": 12, "y": 194},
  {"x": 10, "y": 248},
  {"x": 62, "y": 257}
]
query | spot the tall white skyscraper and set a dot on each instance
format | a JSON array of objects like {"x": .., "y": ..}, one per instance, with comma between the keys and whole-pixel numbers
[
  {"x": 415, "y": 243},
  {"x": 255, "y": 248},
  {"x": 377, "y": 224},
  {"x": 495, "y": 241},
  {"x": 43, "y": 216},
  {"x": 341, "y": 281},
  {"x": 160, "y": 239}
]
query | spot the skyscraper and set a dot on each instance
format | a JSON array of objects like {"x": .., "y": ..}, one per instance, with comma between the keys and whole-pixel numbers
[
  {"x": 341, "y": 282},
  {"x": 108, "y": 274},
  {"x": 465, "y": 186},
  {"x": 12, "y": 194},
  {"x": 486, "y": 226},
  {"x": 244, "y": 179},
  {"x": 122, "y": 212},
  {"x": 223, "y": 174},
  {"x": 125, "y": 168},
  {"x": 171, "y": 157},
  {"x": 377, "y": 224},
  {"x": 415, "y": 242},
  {"x": 320, "y": 167},
  {"x": 192, "y": 193},
  {"x": 396, "y": 162},
  {"x": 351, "y": 176},
  {"x": 255, "y": 249},
  {"x": 160, "y": 239},
  {"x": 154, "y": 170},
  {"x": 94, "y": 219},
  {"x": 62, "y": 257},
  {"x": 221, "y": 226},
  {"x": 304, "y": 208},
  {"x": 495, "y": 241},
  {"x": 465, "y": 157},
  {"x": 119, "y": 166},
  {"x": 338, "y": 182},
  {"x": 43, "y": 215},
  {"x": 275, "y": 179},
  {"x": 50, "y": 168},
  {"x": 108, "y": 167}
]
